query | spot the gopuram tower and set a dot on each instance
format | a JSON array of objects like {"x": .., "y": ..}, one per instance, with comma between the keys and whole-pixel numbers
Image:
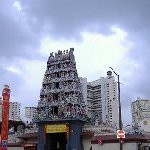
[{"x": 61, "y": 109}]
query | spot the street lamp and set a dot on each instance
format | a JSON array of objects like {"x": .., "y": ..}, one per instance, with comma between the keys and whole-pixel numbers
[{"x": 120, "y": 120}]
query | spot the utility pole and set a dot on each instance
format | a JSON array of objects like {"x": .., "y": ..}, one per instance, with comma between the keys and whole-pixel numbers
[{"x": 119, "y": 102}]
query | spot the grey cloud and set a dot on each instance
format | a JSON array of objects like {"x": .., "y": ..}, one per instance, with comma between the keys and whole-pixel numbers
[
  {"x": 140, "y": 80},
  {"x": 16, "y": 39},
  {"x": 68, "y": 18},
  {"x": 19, "y": 92},
  {"x": 13, "y": 80}
]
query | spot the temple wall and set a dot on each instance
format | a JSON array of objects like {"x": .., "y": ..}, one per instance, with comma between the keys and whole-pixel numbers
[
  {"x": 114, "y": 146},
  {"x": 86, "y": 143}
]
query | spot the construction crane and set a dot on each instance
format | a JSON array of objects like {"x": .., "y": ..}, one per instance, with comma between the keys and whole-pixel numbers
[{"x": 5, "y": 117}]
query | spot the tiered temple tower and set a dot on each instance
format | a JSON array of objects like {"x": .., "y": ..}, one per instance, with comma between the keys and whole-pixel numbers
[{"x": 61, "y": 108}]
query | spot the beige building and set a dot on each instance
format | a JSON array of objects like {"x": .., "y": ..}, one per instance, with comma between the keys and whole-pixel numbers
[
  {"x": 101, "y": 98},
  {"x": 141, "y": 113}
]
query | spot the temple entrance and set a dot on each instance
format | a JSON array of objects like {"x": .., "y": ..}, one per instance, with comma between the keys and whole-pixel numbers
[
  {"x": 56, "y": 141},
  {"x": 60, "y": 135}
]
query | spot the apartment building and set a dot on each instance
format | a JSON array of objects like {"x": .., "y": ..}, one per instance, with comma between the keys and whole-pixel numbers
[
  {"x": 30, "y": 112},
  {"x": 101, "y": 98},
  {"x": 14, "y": 110}
]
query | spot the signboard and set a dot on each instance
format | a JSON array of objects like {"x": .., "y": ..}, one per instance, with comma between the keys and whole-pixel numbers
[
  {"x": 120, "y": 134},
  {"x": 4, "y": 144},
  {"x": 58, "y": 128}
]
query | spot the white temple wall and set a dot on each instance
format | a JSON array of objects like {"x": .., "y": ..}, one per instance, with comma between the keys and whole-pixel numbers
[
  {"x": 114, "y": 146},
  {"x": 86, "y": 143}
]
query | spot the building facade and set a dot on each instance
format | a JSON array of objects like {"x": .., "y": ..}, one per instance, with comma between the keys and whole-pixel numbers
[
  {"x": 14, "y": 110},
  {"x": 30, "y": 112},
  {"x": 141, "y": 113},
  {"x": 101, "y": 98}
]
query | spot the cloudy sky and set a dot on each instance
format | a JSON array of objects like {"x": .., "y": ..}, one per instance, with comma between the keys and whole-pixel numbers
[{"x": 104, "y": 33}]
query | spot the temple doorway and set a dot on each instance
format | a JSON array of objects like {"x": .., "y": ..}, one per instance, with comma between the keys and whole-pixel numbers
[{"x": 56, "y": 141}]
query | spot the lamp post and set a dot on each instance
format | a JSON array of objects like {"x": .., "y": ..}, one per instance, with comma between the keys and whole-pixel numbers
[{"x": 120, "y": 120}]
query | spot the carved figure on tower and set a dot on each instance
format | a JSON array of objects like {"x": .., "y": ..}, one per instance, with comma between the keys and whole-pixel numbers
[{"x": 60, "y": 95}]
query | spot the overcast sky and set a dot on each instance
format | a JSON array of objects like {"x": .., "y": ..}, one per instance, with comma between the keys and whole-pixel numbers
[{"x": 104, "y": 33}]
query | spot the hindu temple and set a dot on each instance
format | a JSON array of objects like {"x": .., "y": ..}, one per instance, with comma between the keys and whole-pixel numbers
[{"x": 61, "y": 109}]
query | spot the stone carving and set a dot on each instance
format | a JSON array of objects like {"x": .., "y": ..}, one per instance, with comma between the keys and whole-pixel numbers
[
  {"x": 71, "y": 55},
  {"x": 60, "y": 96},
  {"x": 59, "y": 52}
]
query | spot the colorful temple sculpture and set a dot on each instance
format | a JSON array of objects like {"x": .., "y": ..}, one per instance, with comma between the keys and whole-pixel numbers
[{"x": 61, "y": 104}]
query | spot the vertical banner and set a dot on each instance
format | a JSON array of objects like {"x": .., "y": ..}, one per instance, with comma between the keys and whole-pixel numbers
[{"x": 5, "y": 117}]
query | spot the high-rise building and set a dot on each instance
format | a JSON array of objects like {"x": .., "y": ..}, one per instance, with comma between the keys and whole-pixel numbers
[
  {"x": 14, "y": 110},
  {"x": 101, "y": 98},
  {"x": 141, "y": 113},
  {"x": 30, "y": 112}
]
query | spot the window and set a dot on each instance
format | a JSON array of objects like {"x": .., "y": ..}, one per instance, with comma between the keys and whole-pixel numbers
[
  {"x": 57, "y": 85},
  {"x": 59, "y": 66},
  {"x": 58, "y": 75},
  {"x": 55, "y": 96}
]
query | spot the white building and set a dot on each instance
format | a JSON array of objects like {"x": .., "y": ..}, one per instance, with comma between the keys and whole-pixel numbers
[
  {"x": 101, "y": 98},
  {"x": 141, "y": 113},
  {"x": 14, "y": 110},
  {"x": 30, "y": 112}
]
